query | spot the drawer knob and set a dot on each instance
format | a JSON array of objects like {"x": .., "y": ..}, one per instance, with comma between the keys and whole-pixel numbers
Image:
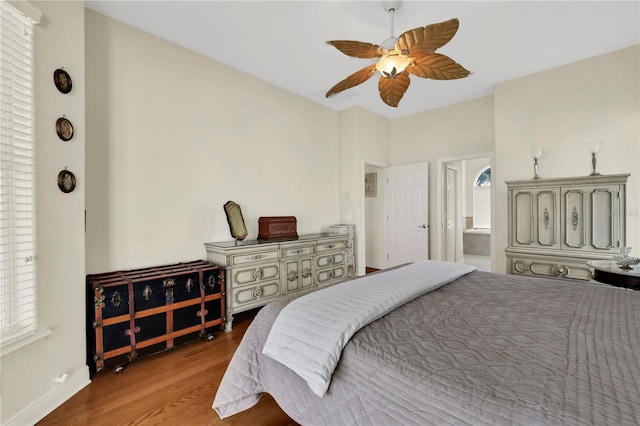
[
  {"x": 257, "y": 292},
  {"x": 560, "y": 271},
  {"x": 257, "y": 274},
  {"x": 189, "y": 284},
  {"x": 331, "y": 260},
  {"x": 293, "y": 275},
  {"x": 306, "y": 273},
  {"x": 332, "y": 274}
]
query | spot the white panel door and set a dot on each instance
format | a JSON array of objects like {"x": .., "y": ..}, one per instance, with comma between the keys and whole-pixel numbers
[{"x": 407, "y": 213}]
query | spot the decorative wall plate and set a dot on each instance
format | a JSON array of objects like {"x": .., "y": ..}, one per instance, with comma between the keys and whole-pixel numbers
[
  {"x": 66, "y": 181},
  {"x": 64, "y": 129},
  {"x": 62, "y": 80},
  {"x": 235, "y": 220}
]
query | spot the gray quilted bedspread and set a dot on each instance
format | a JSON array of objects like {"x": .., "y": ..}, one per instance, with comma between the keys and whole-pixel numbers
[{"x": 486, "y": 349}]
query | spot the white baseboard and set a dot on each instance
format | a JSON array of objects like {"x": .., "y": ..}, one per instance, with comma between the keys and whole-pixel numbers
[{"x": 52, "y": 400}]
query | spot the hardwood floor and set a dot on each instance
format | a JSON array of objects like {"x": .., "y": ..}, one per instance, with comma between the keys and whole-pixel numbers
[{"x": 176, "y": 387}]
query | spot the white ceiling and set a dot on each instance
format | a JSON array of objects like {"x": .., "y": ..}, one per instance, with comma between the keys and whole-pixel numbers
[{"x": 284, "y": 42}]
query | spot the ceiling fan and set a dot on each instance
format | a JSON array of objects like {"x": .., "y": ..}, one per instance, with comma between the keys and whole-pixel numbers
[{"x": 413, "y": 52}]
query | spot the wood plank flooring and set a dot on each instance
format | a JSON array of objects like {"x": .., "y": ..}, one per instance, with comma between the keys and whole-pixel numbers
[{"x": 176, "y": 387}]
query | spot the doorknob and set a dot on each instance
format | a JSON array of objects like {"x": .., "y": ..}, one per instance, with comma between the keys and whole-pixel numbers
[{"x": 422, "y": 226}]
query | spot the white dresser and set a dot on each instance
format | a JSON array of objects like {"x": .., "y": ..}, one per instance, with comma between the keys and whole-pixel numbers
[
  {"x": 557, "y": 225},
  {"x": 259, "y": 272}
]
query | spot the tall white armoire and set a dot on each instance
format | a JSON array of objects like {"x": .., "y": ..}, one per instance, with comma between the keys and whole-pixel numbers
[{"x": 557, "y": 225}]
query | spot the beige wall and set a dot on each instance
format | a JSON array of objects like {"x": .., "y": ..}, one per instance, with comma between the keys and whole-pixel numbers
[
  {"x": 457, "y": 131},
  {"x": 28, "y": 390},
  {"x": 364, "y": 138},
  {"x": 173, "y": 135},
  {"x": 560, "y": 111}
]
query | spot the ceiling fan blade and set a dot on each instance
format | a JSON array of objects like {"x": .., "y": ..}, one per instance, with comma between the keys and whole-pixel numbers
[
  {"x": 353, "y": 80},
  {"x": 392, "y": 89},
  {"x": 437, "y": 67},
  {"x": 427, "y": 39},
  {"x": 358, "y": 49}
]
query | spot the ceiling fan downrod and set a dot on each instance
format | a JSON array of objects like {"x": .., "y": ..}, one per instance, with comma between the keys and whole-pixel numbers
[{"x": 390, "y": 7}]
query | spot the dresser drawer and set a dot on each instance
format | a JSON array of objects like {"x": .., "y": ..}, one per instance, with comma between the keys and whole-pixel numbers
[
  {"x": 254, "y": 274},
  {"x": 258, "y": 295},
  {"x": 552, "y": 268},
  {"x": 330, "y": 259},
  {"x": 330, "y": 275},
  {"x": 297, "y": 251},
  {"x": 244, "y": 258},
  {"x": 332, "y": 245}
]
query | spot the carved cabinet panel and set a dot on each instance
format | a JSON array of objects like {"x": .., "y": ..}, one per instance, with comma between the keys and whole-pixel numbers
[
  {"x": 574, "y": 213},
  {"x": 298, "y": 275},
  {"x": 603, "y": 219},
  {"x": 534, "y": 216},
  {"x": 547, "y": 209},
  {"x": 591, "y": 219}
]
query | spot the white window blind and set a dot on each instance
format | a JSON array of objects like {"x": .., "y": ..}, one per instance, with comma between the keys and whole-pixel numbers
[{"x": 17, "y": 177}]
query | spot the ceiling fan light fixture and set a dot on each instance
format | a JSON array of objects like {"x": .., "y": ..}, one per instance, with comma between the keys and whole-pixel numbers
[
  {"x": 392, "y": 64},
  {"x": 412, "y": 53}
]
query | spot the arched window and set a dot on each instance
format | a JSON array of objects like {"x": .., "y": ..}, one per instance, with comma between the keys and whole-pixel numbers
[
  {"x": 482, "y": 199},
  {"x": 483, "y": 178}
]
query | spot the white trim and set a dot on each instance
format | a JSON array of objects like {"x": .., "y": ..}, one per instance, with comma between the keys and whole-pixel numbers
[
  {"x": 28, "y": 10},
  {"x": 361, "y": 242},
  {"x": 32, "y": 339},
  {"x": 39, "y": 409}
]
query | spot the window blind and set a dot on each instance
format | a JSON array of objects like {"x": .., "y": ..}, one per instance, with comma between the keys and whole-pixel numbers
[{"x": 17, "y": 177}]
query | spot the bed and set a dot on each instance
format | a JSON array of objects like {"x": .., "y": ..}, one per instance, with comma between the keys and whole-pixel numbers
[{"x": 483, "y": 349}]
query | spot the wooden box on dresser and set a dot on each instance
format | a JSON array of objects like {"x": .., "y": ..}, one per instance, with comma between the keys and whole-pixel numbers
[
  {"x": 148, "y": 310},
  {"x": 557, "y": 225},
  {"x": 259, "y": 272}
]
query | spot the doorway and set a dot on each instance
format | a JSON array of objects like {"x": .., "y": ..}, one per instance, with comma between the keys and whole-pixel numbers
[
  {"x": 464, "y": 200},
  {"x": 396, "y": 214},
  {"x": 374, "y": 217},
  {"x": 451, "y": 244}
]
